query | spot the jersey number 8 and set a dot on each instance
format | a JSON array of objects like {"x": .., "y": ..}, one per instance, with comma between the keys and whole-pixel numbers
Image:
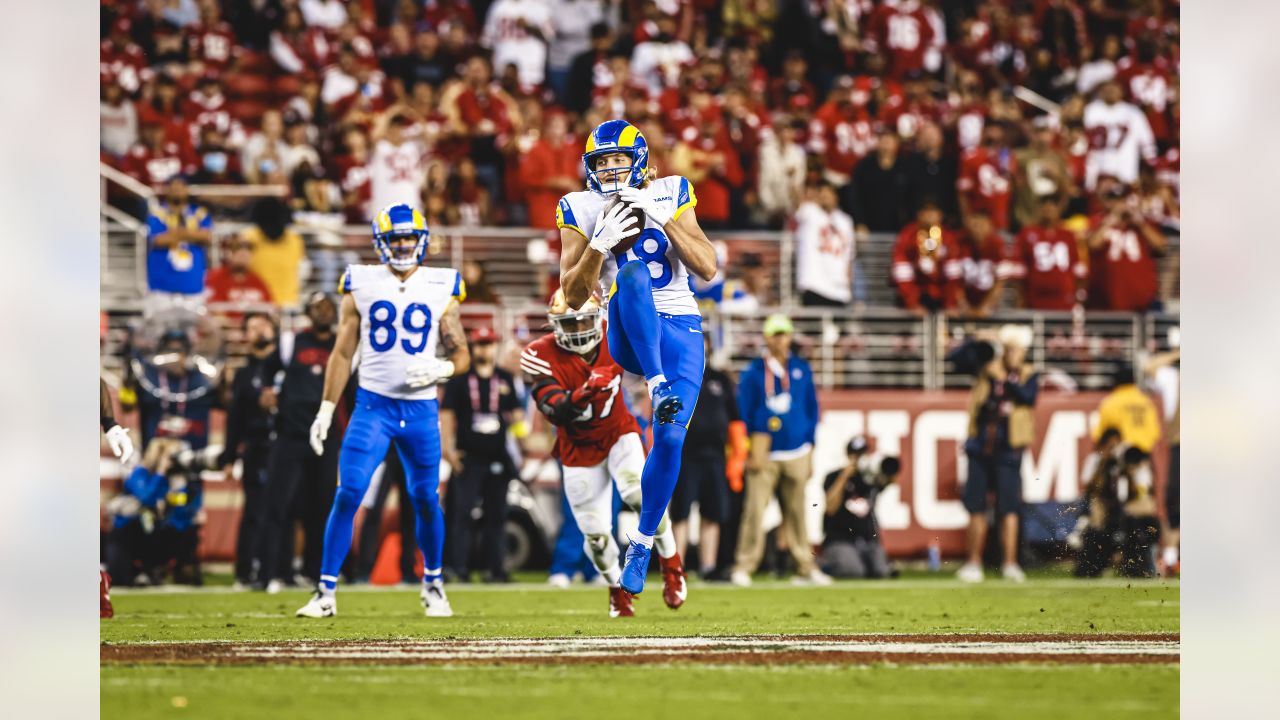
[
  {"x": 658, "y": 256},
  {"x": 415, "y": 321}
]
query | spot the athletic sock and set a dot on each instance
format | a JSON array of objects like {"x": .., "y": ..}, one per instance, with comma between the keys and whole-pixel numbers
[
  {"x": 337, "y": 536},
  {"x": 654, "y": 382},
  {"x": 642, "y": 539},
  {"x": 431, "y": 576},
  {"x": 328, "y": 586}
]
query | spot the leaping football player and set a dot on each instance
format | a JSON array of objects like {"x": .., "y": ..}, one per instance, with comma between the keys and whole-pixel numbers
[
  {"x": 394, "y": 314},
  {"x": 655, "y": 327},
  {"x": 578, "y": 387}
]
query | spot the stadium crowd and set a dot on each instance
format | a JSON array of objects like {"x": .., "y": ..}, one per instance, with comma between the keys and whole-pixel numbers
[
  {"x": 1028, "y": 142},
  {"x": 1023, "y": 143}
]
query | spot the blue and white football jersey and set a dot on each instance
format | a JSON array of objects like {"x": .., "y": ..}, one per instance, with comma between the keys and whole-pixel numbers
[
  {"x": 399, "y": 323},
  {"x": 669, "y": 277}
]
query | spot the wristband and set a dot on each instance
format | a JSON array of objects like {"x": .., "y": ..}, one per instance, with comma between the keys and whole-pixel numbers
[
  {"x": 107, "y": 422},
  {"x": 447, "y": 368},
  {"x": 326, "y": 409}
]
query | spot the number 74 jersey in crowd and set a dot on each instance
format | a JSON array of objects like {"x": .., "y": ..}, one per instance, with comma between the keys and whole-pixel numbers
[
  {"x": 668, "y": 276},
  {"x": 399, "y": 323},
  {"x": 586, "y": 441}
]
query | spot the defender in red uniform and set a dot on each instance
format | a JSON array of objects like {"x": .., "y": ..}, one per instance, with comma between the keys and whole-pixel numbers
[{"x": 578, "y": 387}]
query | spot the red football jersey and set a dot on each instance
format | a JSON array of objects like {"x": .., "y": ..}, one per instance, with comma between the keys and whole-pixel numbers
[
  {"x": 933, "y": 279},
  {"x": 986, "y": 180},
  {"x": 983, "y": 263},
  {"x": 1126, "y": 269},
  {"x": 904, "y": 34},
  {"x": 587, "y": 440},
  {"x": 841, "y": 137},
  {"x": 1048, "y": 262},
  {"x": 214, "y": 45}
]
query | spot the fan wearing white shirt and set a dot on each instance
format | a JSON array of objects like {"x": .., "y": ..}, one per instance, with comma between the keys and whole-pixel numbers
[
  {"x": 397, "y": 167},
  {"x": 824, "y": 250},
  {"x": 327, "y": 14},
  {"x": 518, "y": 32},
  {"x": 657, "y": 62},
  {"x": 1120, "y": 137}
]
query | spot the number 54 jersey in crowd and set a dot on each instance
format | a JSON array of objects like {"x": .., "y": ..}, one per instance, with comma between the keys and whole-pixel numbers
[
  {"x": 668, "y": 276},
  {"x": 587, "y": 440},
  {"x": 399, "y": 323}
]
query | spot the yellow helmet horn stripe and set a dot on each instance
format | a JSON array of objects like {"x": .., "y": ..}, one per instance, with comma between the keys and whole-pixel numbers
[{"x": 628, "y": 136}]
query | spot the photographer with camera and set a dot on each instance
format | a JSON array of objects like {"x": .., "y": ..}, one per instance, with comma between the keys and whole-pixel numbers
[
  {"x": 154, "y": 519},
  {"x": 1001, "y": 426},
  {"x": 851, "y": 547},
  {"x": 1120, "y": 513}
]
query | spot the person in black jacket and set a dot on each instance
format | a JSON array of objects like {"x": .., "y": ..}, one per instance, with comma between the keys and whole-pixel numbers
[
  {"x": 879, "y": 195},
  {"x": 577, "y": 96},
  {"x": 477, "y": 410},
  {"x": 295, "y": 473},
  {"x": 250, "y": 412},
  {"x": 851, "y": 546}
]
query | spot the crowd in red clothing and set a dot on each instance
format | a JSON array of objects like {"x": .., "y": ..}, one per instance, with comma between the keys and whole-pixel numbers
[{"x": 970, "y": 113}]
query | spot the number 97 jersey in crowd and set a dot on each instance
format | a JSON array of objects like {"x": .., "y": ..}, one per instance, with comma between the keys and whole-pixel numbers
[
  {"x": 398, "y": 323},
  {"x": 668, "y": 276},
  {"x": 584, "y": 435}
]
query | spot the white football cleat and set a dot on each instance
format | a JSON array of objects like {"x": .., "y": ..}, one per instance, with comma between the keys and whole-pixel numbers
[
  {"x": 559, "y": 580},
  {"x": 434, "y": 600},
  {"x": 319, "y": 606},
  {"x": 970, "y": 573},
  {"x": 1013, "y": 573},
  {"x": 815, "y": 577},
  {"x": 740, "y": 579}
]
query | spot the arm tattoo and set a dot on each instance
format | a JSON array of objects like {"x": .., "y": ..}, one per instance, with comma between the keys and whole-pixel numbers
[{"x": 451, "y": 334}]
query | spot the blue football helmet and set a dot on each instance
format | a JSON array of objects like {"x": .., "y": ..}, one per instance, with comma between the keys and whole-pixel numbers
[
  {"x": 616, "y": 136},
  {"x": 395, "y": 221}
]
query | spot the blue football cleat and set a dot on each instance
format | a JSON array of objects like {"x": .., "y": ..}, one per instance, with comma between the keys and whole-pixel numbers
[
  {"x": 666, "y": 404},
  {"x": 635, "y": 567}
]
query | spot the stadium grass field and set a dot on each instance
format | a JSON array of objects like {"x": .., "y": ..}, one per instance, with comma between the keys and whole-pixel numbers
[{"x": 384, "y": 657}]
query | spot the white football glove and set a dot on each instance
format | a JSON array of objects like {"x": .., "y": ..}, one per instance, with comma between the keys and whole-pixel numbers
[
  {"x": 611, "y": 227},
  {"x": 643, "y": 200},
  {"x": 428, "y": 372},
  {"x": 120, "y": 442},
  {"x": 320, "y": 426}
]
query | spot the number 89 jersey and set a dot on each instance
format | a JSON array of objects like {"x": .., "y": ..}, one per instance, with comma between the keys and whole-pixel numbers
[
  {"x": 398, "y": 323},
  {"x": 668, "y": 276}
]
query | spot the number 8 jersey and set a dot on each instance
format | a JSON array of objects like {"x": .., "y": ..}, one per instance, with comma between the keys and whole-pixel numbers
[
  {"x": 668, "y": 276},
  {"x": 398, "y": 323}
]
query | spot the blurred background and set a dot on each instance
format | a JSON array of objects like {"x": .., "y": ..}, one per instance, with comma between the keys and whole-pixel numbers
[{"x": 900, "y": 179}]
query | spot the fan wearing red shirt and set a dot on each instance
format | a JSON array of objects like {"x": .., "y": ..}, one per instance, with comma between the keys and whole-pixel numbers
[
  {"x": 1046, "y": 259},
  {"x": 550, "y": 169},
  {"x": 120, "y": 58},
  {"x": 1147, "y": 82},
  {"x": 984, "y": 264},
  {"x": 212, "y": 41},
  {"x": 927, "y": 265},
  {"x": 840, "y": 133},
  {"x": 234, "y": 283},
  {"x": 985, "y": 180},
  {"x": 1122, "y": 250},
  {"x": 903, "y": 32},
  {"x": 578, "y": 388},
  {"x": 157, "y": 160}
]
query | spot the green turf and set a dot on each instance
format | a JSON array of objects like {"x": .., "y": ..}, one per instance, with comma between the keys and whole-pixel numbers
[
  {"x": 536, "y": 611},
  {"x": 682, "y": 692},
  {"x": 676, "y": 692}
]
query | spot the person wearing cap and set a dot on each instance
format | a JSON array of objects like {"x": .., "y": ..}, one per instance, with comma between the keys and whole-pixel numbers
[
  {"x": 294, "y": 471},
  {"x": 477, "y": 411},
  {"x": 851, "y": 546},
  {"x": 173, "y": 397},
  {"x": 779, "y": 403},
  {"x": 178, "y": 235},
  {"x": 1001, "y": 427}
]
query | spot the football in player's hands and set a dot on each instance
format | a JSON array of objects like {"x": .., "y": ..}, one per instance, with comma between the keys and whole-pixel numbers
[
  {"x": 632, "y": 235},
  {"x": 598, "y": 381}
]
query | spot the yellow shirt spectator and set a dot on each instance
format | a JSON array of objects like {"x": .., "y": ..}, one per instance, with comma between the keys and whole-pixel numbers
[
  {"x": 1130, "y": 411},
  {"x": 277, "y": 262}
]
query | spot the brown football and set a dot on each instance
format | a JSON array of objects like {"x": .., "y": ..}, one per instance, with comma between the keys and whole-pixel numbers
[{"x": 633, "y": 234}]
